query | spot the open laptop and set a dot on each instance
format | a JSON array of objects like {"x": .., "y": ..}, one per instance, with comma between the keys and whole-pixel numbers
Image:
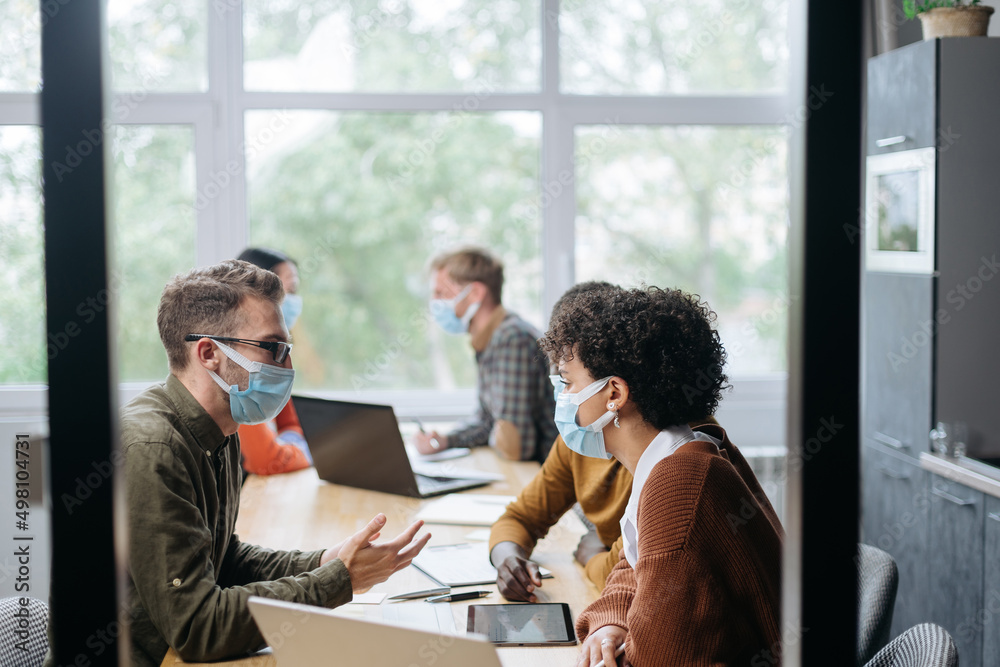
[
  {"x": 304, "y": 636},
  {"x": 359, "y": 445}
]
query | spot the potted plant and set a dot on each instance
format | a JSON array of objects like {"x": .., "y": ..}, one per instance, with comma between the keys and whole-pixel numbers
[{"x": 949, "y": 18}]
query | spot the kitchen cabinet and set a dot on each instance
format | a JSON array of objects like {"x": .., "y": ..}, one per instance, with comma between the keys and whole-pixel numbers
[
  {"x": 990, "y": 618},
  {"x": 955, "y": 564},
  {"x": 931, "y": 290},
  {"x": 897, "y": 375},
  {"x": 896, "y": 519},
  {"x": 930, "y": 314}
]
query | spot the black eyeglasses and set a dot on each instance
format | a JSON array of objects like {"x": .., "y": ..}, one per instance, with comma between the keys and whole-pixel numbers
[{"x": 279, "y": 351}]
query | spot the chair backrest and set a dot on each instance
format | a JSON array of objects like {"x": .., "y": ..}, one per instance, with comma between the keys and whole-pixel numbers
[
  {"x": 924, "y": 645},
  {"x": 877, "y": 582},
  {"x": 23, "y": 638}
]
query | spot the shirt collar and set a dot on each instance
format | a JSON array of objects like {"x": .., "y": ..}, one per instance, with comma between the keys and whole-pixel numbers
[
  {"x": 481, "y": 338},
  {"x": 666, "y": 442},
  {"x": 663, "y": 445},
  {"x": 206, "y": 432}
]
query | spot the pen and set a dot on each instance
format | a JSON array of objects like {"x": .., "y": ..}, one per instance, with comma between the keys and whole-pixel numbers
[
  {"x": 415, "y": 595},
  {"x": 618, "y": 652},
  {"x": 456, "y": 597},
  {"x": 434, "y": 441}
]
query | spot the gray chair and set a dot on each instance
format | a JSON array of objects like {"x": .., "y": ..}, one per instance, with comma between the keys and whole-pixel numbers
[
  {"x": 877, "y": 582},
  {"x": 924, "y": 645},
  {"x": 23, "y": 638}
]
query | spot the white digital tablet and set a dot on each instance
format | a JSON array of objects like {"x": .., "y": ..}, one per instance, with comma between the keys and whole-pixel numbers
[{"x": 543, "y": 624}]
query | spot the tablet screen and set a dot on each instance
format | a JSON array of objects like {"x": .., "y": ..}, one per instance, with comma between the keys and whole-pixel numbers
[{"x": 523, "y": 624}]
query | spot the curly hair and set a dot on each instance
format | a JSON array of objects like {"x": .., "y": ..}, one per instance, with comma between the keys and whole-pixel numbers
[
  {"x": 578, "y": 289},
  {"x": 660, "y": 341}
]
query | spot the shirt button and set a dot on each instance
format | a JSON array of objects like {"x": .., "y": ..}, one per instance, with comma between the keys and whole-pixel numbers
[
  {"x": 176, "y": 582},
  {"x": 209, "y": 453}
]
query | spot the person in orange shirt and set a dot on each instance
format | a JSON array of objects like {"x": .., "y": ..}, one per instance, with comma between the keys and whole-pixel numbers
[{"x": 268, "y": 448}]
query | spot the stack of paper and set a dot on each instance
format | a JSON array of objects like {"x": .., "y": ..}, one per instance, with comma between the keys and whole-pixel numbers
[
  {"x": 460, "y": 565},
  {"x": 465, "y": 509}
]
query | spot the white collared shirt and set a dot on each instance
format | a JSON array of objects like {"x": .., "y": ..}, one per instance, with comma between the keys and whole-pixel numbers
[{"x": 663, "y": 445}]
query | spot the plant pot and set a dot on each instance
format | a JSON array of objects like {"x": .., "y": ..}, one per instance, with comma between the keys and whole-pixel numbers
[{"x": 962, "y": 21}]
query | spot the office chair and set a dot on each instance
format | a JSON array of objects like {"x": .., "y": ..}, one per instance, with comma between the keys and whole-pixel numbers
[
  {"x": 877, "y": 582},
  {"x": 924, "y": 645},
  {"x": 23, "y": 650}
]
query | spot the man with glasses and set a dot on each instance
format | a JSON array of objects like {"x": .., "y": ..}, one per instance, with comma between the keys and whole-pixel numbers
[{"x": 189, "y": 575}]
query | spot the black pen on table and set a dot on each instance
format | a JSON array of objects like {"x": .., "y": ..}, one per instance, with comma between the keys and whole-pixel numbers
[
  {"x": 458, "y": 597},
  {"x": 434, "y": 441},
  {"x": 416, "y": 595}
]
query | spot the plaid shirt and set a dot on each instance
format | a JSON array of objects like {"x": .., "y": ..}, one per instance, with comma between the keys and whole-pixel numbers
[{"x": 514, "y": 386}]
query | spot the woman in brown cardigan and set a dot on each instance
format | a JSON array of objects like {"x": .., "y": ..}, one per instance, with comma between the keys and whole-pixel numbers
[{"x": 698, "y": 581}]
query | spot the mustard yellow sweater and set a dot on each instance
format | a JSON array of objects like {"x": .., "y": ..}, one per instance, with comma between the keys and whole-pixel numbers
[{"x": 601, "y": 487}]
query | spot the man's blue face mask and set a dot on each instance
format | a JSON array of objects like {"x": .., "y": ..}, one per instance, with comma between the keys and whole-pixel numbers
[
  {"x": 267, "y": 391},
  {"x": 443, "y": 312}
]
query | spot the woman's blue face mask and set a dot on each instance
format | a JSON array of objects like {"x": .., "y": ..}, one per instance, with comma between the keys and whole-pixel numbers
[
  {"x": 291, "y": 308},
  {"x": 585, "y": 440}
]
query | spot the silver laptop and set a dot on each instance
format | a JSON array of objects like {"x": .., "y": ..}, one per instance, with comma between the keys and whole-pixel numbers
[
  {"x": 304, "y": 636},
  {"x": 359, "y": 445}
]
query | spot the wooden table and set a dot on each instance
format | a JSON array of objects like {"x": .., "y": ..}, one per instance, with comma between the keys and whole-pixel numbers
[{"x": 299, "y": 511}]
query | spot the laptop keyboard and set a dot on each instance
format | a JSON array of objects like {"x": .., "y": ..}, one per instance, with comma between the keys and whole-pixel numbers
[{"x": 428, "y": 485}]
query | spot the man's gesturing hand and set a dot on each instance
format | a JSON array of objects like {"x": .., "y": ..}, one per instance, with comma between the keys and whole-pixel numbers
[{"x": 369, "y": 563}]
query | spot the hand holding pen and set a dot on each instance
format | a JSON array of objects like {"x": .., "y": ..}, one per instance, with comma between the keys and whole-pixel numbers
[
  {"x": 428, "y": 443},
  {"x": 603, "y": 647}
]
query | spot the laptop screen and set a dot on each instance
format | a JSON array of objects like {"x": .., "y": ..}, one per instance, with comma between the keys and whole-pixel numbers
[{"x": 356, "y": 444}]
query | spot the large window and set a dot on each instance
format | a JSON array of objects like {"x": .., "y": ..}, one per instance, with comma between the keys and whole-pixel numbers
[
  {"x": 630, "y": 142},
  {"x": 22, "y": 319},
  {"x": 362, "y": 200},
  {"x": 21, "y": 47},
  {"x": 653, "y": 48},
  {"x": 158, "y": 46},
  {"x": 154, "y": 235},
  {"x": 392, "y": 46},
  {"x": 699, "y": 208}
]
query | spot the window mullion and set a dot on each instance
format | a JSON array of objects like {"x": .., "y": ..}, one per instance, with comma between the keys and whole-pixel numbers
[{"x": 222, "y": 224}]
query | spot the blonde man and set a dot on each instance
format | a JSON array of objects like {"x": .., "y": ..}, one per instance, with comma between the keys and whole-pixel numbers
[{"x": 515, "y": 398}]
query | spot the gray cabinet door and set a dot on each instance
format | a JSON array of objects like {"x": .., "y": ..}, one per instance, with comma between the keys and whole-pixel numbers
[
  {"x": 895, "y": 516},
  {"x": 901, "y": 98},
  {"x": 955, "y": 559},
  {"x": 991, "y": 584},
  {"x": 966, "y": 364},
  {"x": 898, "y": 360}
]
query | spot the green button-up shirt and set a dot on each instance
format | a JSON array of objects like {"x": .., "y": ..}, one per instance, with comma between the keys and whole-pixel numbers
[{"x": 189, "y": 574}]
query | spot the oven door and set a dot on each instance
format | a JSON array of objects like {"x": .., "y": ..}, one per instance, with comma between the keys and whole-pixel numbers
[{"x": 899, "y": 211}]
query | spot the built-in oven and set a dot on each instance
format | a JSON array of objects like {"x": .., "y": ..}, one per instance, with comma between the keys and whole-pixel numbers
[{"x": 899, "y": 211}]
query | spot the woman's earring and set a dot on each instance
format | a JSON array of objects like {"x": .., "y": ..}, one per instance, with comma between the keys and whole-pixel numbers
[{"x": 611, "y": 406}]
